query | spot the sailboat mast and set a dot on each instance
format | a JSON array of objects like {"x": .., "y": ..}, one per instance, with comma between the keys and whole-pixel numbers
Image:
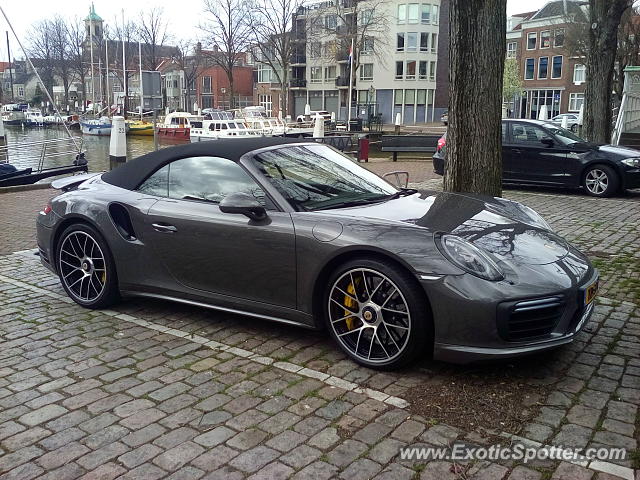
[
  {"x": 10, "y": 68},
  {"x": 93, "y": 84},
  {"x": 106, "y": 63},
  {"x": 124, "y": 70},
  {"x": 141, "y": 93}
]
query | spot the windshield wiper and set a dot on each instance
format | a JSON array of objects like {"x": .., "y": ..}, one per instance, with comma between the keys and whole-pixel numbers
[{"x": 402, "y": 193}]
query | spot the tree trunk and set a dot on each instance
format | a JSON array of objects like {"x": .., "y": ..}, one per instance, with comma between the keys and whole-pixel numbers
[
  {"x": 605, "y": 16},
  {"x": 476, "y": 64}
]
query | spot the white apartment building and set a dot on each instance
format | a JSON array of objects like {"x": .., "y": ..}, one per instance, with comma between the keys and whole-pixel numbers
[{"x": 396, "y": 59}]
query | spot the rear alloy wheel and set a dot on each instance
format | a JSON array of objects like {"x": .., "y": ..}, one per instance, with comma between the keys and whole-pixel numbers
[
  {"x": 377, "y": 314},
  {"x": 601, "y": 181},
  {"x": 86, "y": 267}
]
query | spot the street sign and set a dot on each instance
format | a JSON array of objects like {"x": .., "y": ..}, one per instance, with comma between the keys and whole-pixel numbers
[{"x": 152, "y": 90}]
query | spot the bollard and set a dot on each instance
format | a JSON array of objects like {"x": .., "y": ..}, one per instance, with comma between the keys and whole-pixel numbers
[
  {"x": 565, "y": 122},
  {"x": 117, "y": 142},
  {"x": 307, "y": 113},
  {"x": 3, "y": 152},
  {"x": 318, "y": 127},
  {"x": 398, "y": 122},
  {"x": 2, "y": 131},
  {"x": 543, "y": 114},
  {"x": 363, "y": 148}
]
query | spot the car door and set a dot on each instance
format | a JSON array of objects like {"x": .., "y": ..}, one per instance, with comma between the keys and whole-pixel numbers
[
  {"x": 536, "y": 157},
  {"x": 211, "y": 251}
]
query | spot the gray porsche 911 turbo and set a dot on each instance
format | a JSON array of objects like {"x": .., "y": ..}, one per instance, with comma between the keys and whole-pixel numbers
[{"x": 298, "y": 233}]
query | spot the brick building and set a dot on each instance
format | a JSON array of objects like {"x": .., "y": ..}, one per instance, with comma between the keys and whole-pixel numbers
[
  {"x": 550, "y": 74},
  {"x": 212, "y": 87}
]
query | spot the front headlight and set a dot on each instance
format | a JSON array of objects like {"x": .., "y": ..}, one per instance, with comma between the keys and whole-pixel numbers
[
  {"x": 632, "y": 162},
  {"x": 468, "y": 257}
]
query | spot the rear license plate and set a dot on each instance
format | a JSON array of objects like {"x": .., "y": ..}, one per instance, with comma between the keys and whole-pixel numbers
[{"x": 590, "y": 293}]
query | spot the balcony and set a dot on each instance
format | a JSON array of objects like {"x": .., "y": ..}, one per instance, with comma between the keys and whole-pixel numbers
[
  {"x": 296, "y": 83},
  {"x": 343, "y": 82},
  {"x": 298, "y": 60}
]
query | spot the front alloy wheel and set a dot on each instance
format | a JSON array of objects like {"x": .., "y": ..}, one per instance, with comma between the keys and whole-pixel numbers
[
  {"x": 601, "y": 181},
  {"x": 370, "y": 314}
]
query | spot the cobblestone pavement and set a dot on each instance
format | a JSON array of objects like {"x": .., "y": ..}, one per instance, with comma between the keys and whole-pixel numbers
[{"x": 157, "y": 390}]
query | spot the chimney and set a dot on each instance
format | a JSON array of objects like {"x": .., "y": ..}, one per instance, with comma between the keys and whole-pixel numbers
[{"x": 198, "y": 48}]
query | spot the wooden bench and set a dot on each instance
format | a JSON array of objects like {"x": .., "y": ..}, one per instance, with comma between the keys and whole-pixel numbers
[{"x": 409, "y": 143}]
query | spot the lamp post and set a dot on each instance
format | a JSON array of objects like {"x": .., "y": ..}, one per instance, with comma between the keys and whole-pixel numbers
[
  {"x": 223, "y": 91},
  {"x": 370, "y": 96}
]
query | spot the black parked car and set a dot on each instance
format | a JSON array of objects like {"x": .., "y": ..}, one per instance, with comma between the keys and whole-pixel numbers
[{"x": 541, "y": 153}]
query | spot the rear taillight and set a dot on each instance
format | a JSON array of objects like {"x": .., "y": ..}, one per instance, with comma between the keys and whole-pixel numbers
[{"x": 47, "y": 209}]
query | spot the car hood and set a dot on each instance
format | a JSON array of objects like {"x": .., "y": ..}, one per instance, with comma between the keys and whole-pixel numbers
[
  {"x": 621, "y": 152},
  {"x": 502, "y": 227}
]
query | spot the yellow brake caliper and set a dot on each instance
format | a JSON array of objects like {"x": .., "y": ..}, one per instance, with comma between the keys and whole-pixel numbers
[{"x": 350, "y": 303}]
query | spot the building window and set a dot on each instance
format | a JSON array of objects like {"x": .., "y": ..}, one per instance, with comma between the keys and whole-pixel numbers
[
  {"x": 411, "y": 70},
  {"x": 412, "y": 41},
  {"x": 398, "y": 97},
  {"x": 399, "y": 70},
  {"x": 424, "y": 42},
  {"x": 400, "y": 42},
  {"x": 532, "y": 39},
  {"x": 558, "y": 38},
  {"x": 316, "y": 75},
  {"x": 266, "y": 102},
  {"x": 409, "y": 97},
  {"x": 575, "y": 101},
  {"x": 367, "y": 46},
  {"x": 434, "y": 43},
  {"x": 366, "y": 71},
  {"x": 330, "y": 22},
  {"x": 314, "y": 49},
  {"x": 422, "y": 70},
  {"x": 556, "y": 67},
  {"x": 366, "y": 17},
  {"x": 206, "y": 84},
  {"x": 402, "y": 13},
  {"x": 512, "y": 49},
  {"x": 329, "y": 73},
  {"x": 264, "y": 73},
  {"x": 413, "y": 12},
  {"x": 434, "y": 14},
  {"x": 579, "y": 73},
  {"x": 425, "y": 15},
  {"x": 529, "y": 67},
  {"x": 432, "y": 71},
  {"x": 543, "y": 67},
  {"x": 545, "y": 39},
  {"x": 21, "y": 91},
  {"x": 421, "y": 97}
]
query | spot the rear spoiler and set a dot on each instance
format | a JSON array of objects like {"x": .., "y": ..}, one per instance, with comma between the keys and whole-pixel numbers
[{"x": 69, "y": 183}]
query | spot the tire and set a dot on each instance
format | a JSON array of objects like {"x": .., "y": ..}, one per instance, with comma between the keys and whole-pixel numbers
[
  {"x": 381, "y": 337},
  {"x": 83, "y": 258},
  {"x": 600, "y": 181},
  {"x": 574, "y": 128}
]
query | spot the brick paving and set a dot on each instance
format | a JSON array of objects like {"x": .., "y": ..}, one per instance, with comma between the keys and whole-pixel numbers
[{"x": 152, "y": 389}]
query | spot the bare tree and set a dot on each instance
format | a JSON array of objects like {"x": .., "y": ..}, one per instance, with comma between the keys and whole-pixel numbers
[
  {"x": 274, "y": 40},
  {"x": 228, "y": 32},
  {"x": 42, "y": 49},
  {"x": 604, "y": 18},
  {"x": 154, "y": 34},
  {"x": 76, "y": 36},
  {"x": 191, "y": 60},
  {"x": 476, "y": 65}
]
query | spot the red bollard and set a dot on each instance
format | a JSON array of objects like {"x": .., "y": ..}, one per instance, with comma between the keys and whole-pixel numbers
[{"x": 363, "y": 149}]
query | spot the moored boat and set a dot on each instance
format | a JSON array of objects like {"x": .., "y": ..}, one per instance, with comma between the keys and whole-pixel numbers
[
  {"x": 33, "y": 118},
  {"x": 98, "y": 126},
  {"x": 178, "y": 125},
  {"x": 220, "y": 124},
  {"x": 139, "y": 127}
]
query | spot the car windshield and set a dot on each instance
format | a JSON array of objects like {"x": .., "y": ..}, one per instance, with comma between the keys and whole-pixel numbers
[
  {"x": 563, "y": 135},
  {"x": 317, "y": 177}
]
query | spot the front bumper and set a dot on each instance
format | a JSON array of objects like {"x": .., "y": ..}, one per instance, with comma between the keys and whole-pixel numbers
[
  {"x": 631, "y": 178},
  {"x": 468, "y": 329}
]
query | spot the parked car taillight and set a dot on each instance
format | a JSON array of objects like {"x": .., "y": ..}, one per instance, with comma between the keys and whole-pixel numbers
[{"x": 47, "y": 209}]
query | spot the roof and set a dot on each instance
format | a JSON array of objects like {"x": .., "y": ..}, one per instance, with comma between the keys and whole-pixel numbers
[
  {"x": 133, "y": 173},
  {"x": 93, "y": 16},
  {"x": 556, "y": 8}
]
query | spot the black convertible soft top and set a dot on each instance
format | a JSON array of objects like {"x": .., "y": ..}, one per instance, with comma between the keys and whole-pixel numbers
[{"x": 132, "y": 173}]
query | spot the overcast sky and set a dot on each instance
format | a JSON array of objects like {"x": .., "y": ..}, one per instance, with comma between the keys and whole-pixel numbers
[{"x": 183, "y": 15}]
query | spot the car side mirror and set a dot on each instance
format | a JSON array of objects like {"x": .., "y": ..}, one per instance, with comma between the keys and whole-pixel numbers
[
  {"x": 244, "y": 204},
  {"x": 548, "y": 142}
]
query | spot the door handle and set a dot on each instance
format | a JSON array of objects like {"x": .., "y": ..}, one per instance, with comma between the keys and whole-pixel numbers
[{"x": 164, "y": 228}]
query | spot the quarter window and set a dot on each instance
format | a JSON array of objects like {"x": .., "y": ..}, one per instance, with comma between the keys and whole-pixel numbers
[{"x": 207, "y": 179}]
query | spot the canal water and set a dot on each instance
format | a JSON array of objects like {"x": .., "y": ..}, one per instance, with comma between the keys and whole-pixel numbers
[{"x": 96, "y": 148}]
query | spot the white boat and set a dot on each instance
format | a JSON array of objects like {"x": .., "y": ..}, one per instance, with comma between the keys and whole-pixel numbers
[
  {"x": 98, "y": 126},
  {"x": 33, "y": 118},
  {"x": 12, "y": 117},
  {"x": 219, "y": 124},
  {"x": 256, "y": 118}
]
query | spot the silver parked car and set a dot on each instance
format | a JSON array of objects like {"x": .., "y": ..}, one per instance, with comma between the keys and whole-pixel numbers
[
  {"x": 296, "y": 232},
  {"x": 572, "y": 120}
]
